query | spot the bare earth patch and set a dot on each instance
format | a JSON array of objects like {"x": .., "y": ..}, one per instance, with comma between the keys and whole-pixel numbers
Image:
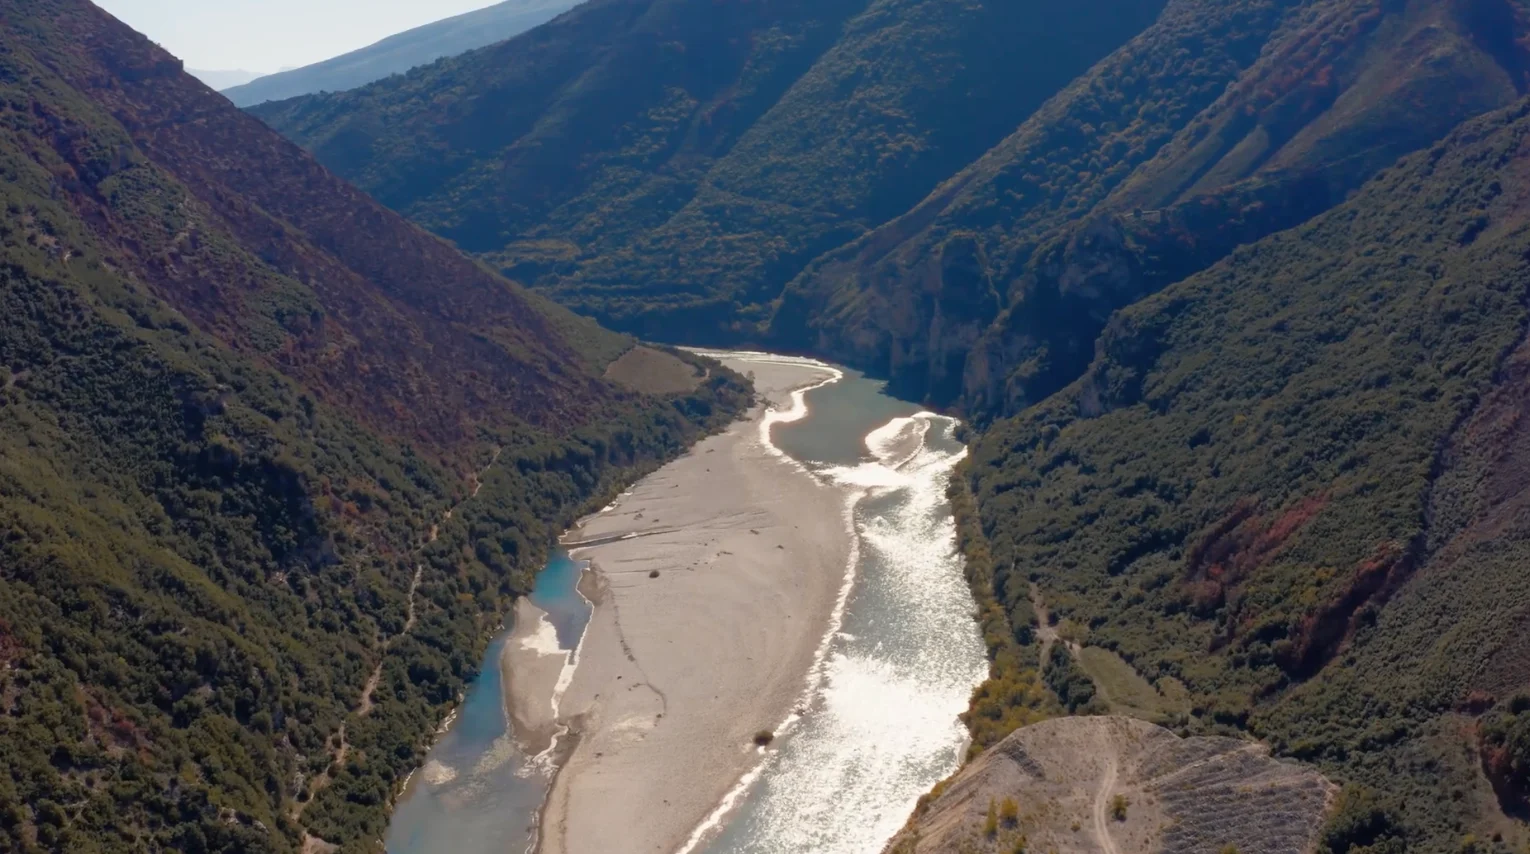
[
  {"x": 653, "y": 371},
  {"x": 1121, "y": 786}
]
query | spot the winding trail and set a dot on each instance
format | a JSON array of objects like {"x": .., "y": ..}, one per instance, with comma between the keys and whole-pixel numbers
[
  {"x": 1101, "y": 803},
  {"x": 313, "y": 844},
  {"x": 1045, "y": 631}
]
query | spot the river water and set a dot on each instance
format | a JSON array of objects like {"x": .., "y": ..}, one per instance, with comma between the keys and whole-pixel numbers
[
  {"x": 881, "y": 726},
  {"x": 902, "y": 664},
  {"x": 477, "y": 793}
]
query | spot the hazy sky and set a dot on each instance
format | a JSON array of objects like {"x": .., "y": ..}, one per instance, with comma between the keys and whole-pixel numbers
[{"x": 264, "y": 35}]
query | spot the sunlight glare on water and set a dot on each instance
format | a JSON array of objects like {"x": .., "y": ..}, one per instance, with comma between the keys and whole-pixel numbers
[{"x": 884, "y": 726}]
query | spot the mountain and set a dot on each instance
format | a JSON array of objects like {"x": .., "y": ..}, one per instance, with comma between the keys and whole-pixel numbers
[
  {"x": 273, "y": 462},
  {"x": 1283, "y": 487},
  {"x": 716, "y": 147},
  {"x": 1232, "y": 293},
  {"x": 398, "y": 53},
  {"x": 788, "y": 182},
  {"x": 1145, "y": 170},
  {"x": 225, "y": 79}
]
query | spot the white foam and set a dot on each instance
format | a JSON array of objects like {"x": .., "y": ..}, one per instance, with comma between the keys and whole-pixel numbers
[
  {"x": 543, "y": 761},
  {"x": 911, "y": 433},
  {"x": 885, "y": 726},
  {"x": 543, "y": 641},
  {"x": 436, "y": 773},
  {"x": 894, "y": 446}
]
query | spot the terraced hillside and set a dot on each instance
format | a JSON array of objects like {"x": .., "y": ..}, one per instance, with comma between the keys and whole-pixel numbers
[
  {"x": 1121, "y": 786},
  {"x": 272, "y": 461}
]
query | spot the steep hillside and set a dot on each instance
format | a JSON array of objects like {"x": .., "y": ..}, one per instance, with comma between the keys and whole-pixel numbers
[
  {"x": 398, "y": 53},
  {"x": 1285, "y": 483},
  {"x": 714, "y": 147},
  {"x": 237, "y": 401},
  {"x": 918, "y": 188},
  {"x": 1222, "y": 123}
]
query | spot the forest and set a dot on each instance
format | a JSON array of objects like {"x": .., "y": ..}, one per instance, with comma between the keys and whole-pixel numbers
[{"x": 233, "y": 604}]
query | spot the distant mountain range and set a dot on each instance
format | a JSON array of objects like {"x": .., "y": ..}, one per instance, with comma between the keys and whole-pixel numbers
[
  {"x": 396, "y": 54},
  {"x": 225, "y": 79}
]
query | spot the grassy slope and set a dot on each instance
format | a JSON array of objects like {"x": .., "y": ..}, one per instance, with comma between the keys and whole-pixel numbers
[{"x": 210, "y": 530}]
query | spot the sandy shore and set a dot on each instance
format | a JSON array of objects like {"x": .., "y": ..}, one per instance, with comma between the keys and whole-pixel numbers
[
  {"x": 678, "y": 672},
  {"x": 531, "y": 664}
]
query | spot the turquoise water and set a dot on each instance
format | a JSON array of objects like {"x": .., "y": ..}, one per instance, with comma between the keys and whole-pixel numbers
[
  {"x": 556, "y": 591},
  {"x": 476, "y": 793}
]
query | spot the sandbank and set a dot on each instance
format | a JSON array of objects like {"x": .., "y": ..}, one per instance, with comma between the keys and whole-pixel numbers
[{"x": 677, "y": 672}]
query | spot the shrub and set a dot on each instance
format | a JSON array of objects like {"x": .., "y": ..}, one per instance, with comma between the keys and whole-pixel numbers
[{"x": 1009, "y": 812}]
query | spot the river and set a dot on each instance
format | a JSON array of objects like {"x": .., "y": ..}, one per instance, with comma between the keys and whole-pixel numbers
[{"x": 881, "y": 727}]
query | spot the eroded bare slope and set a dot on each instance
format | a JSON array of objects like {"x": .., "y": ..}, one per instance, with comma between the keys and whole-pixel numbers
[{"x": 1121, "y": 786}]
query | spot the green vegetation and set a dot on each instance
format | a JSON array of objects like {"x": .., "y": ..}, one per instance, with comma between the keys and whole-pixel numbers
[
  {"x": 1123, "y": 690},
  {"x": 1009, "y": 812},
  {"x": 1072, "y": 685},
  {"x": 1264, "y": 457},
  {"x": 223, "y": 515},
  {"x": 1362, "y": 822},
  {"x": 1247, "y": 389},
  {"x": 1504, "y": 738},
  {"x": 754, "y": 141},
  {"x": 1014, "y": 695},
  {"x": 1118, "y": 807}
]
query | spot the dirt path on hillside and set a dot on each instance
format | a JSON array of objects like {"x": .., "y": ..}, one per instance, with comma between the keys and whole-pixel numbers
[
  {"x": 313, "y": 844},
  {"x": 1101, "y": 806},
  {"x": 1044, "y": 628}
]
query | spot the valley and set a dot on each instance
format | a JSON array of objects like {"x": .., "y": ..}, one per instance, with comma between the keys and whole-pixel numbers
[{"x": 1181, "y": 342}]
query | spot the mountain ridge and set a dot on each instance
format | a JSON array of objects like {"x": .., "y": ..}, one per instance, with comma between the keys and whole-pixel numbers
[
  {"x": 670, "y": 176},
  {"x": 400, "y": 52}
]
